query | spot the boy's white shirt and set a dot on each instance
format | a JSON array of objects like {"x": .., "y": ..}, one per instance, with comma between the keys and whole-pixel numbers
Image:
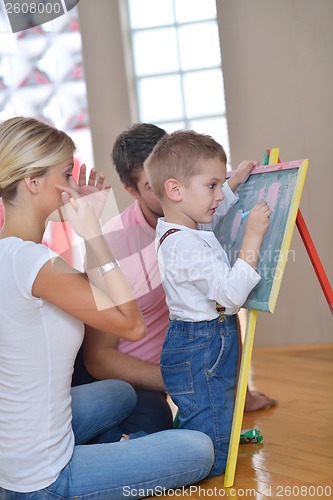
[{"x": 196, "y": 272}]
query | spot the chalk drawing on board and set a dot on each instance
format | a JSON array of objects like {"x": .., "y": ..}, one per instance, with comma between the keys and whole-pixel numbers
[{"x": 281, "y": 186}]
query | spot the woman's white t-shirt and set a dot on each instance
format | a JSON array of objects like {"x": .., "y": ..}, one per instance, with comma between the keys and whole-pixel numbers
[{"x": 38, "y": 346}]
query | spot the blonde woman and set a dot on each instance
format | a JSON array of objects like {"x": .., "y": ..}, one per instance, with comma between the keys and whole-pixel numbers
[{"x": 44, "y": 306}]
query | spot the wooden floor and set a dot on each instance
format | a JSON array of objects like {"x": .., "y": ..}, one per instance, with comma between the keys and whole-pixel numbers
[{"x": 295, "y": 459}]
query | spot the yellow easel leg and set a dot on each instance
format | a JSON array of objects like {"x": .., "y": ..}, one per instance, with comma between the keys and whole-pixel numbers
[{"x": 240, "y": 400}]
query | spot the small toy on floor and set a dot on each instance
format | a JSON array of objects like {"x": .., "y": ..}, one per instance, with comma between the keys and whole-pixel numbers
[{"x": 249, "y": 436}]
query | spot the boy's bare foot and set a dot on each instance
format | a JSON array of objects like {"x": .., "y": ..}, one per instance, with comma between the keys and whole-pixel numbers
[{"x": 255, "y": 401}]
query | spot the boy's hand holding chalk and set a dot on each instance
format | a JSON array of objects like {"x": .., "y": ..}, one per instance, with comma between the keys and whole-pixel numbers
[{"x": 245, "y": 214}]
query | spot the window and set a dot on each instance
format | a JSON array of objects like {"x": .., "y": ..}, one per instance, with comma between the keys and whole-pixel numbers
[{"x": 177, "y": 65}]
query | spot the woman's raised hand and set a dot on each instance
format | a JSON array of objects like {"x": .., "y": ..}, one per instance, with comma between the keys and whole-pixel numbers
[
  {"x": 93, "y": 185},
  {"x": 80, "y": 212},
  {"x": 95, "y": 188},
  {"x": 84, "y": 202}
]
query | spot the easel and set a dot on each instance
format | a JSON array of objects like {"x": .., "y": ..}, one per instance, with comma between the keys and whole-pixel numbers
[{"x": 271, "y": 157}]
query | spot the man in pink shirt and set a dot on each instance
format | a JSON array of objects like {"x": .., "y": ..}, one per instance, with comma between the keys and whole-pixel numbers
[{"x": 131, "y": 236}]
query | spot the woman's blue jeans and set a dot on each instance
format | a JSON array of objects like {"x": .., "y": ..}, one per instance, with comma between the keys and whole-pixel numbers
[
  {"x": 127, "y": 469},
  {"x": 151, "y": 414},
  {"x": 199, "y": 364}
]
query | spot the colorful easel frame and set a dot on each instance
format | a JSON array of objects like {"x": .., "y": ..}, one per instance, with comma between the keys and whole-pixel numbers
[
  {"x": 263, "y": 182},
  {"x": 272, "y": 159}
]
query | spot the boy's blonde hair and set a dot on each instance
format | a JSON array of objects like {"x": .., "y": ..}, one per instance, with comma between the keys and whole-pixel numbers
[
  {"x": 28, "y": 148},
  {"x": 180, "y": 156}
]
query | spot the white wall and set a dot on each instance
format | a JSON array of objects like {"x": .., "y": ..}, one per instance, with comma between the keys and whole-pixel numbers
[{"x": 278, "y": 74}]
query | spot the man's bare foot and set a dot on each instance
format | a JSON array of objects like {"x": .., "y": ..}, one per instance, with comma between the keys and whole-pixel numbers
[
  {"x": 255, "y": 401},
  {"x": 124, "y": 437}
]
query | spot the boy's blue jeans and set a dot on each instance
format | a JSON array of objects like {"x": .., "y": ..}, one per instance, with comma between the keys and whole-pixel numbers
[
  {"x": 128, "y": 469},
  {"x": 199, "y": 365}
]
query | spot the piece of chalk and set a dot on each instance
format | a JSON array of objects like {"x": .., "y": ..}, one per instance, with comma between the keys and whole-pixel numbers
[
  {"x": 245, "y": 214},
  {"x": 73, "y": 202}
]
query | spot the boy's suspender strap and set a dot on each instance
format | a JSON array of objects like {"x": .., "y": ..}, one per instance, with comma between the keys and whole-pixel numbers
[
  {"x": 220, "y": 309},
  {"x": 165, "y": 235}
]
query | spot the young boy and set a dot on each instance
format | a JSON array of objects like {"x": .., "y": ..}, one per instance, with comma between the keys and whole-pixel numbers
[{"x": 199, "y": 361}]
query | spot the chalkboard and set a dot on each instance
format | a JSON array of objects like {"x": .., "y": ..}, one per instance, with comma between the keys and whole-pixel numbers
[{"x": 281, "y": 186}]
